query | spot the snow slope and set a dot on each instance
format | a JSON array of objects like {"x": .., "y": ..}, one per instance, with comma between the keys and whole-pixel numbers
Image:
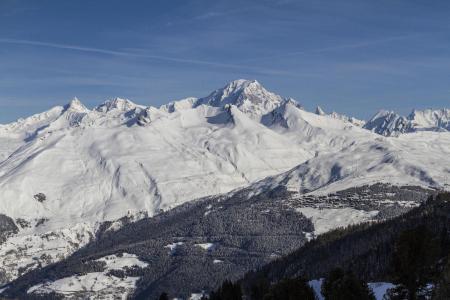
[
  {"x": 122, "y": 158},
  {"x": 99, "y": 173},
  {"x": 326, "y": 219},
  {"x": 319, "y": 111},
  {"x": 94, "y": 285},
  {"x": 414, "y": 159},
  {"x": 431, "y": 119},
  {"x": 15, "y": 134}
]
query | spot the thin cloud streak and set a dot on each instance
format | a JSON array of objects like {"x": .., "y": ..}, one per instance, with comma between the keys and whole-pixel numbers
[
  {"x": 339, "y": 47},
  {"x": 137, "y": 55},
  {"x": 216, "y": 14}
]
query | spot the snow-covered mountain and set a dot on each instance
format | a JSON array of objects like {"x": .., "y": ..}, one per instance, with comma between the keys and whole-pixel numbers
[
  {"x": 388, "y": 123},
  {"x": 414, "y": 159},
  {"x": 65, "y": 171},
  {"x": 429, "y": 119},
  {"x": 319, "y": 111},
  {"x": 248, "y": 95},
  {"x": 106, "y": 163}
]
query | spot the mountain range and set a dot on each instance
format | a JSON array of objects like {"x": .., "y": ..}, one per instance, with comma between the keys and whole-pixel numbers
[
  {"x": 68, "y": 172},
  {"x": 388, "y": 123}
]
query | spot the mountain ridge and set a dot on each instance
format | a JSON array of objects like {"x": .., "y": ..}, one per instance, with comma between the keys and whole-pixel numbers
[
  {"x": 389, "y": 123},
  {"x": 68, "y": 170},
  {"x": 253, "y": 99}
]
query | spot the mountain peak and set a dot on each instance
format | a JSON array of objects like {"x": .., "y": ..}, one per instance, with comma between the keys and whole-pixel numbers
[
  {"x": 383, "y": 113},
  {"x": 319, "y": 111},
  {"x": 235, "y": 93},
  {"x": 240, "y": 84},
  {"x": 388, "y": 123},
  {"x": 116, "y": 104},
  {"x": 75, "y": 105},
  {"x": 182, "y": 104},
  {"x": 248, "y": 95}
]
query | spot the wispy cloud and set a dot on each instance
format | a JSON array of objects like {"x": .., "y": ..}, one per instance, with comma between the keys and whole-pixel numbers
[
  {"x": 209, "y": 15},
  {"x": 217, "y": 14},
  {"x": 357, "y": 45},
  {"x": 64, "y": 46},
  {"x": 143, "y": 55}
]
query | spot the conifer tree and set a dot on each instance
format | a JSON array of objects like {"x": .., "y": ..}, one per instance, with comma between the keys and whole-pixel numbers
[{"x": 340, "y": 285}]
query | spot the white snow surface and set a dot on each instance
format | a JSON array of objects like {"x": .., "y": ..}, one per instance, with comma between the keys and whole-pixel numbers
[
  {"x": 419, "y": 158},
  {"x": 316, "y": 285},
  {"x": 100, "y": 165},
  {"x": 207, "y": 246},
  {"x": 319, "y": 111},
  {"x": 196, "y": 296},
  {"x": 114, "y": 262},
  {"x": 32, "y": 248},
  {"x": 96, "y": 284},
  {"x": 380, "y": 288},
  {"x": 326, "y": 219}
]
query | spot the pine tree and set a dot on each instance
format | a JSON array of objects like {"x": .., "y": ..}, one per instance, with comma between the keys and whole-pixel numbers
[
  {"x": 259, "y": 289},
  {"x": 340, "y": 285},
  {"x": 291, "y": 289},
  {"x": 415, "y": 254},
  {"x": 442, "y": 291},
  {"x": 228, "y": 291}
]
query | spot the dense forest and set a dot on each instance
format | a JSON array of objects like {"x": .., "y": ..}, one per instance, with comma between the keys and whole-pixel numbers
[{"x": 412, "y": 251}]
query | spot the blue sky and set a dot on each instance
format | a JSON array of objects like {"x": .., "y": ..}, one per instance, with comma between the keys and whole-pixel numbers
[{"x": 352, "y": 56}]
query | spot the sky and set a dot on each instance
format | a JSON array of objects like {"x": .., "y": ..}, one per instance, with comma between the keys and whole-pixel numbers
[{"x": 353, "y": 57}]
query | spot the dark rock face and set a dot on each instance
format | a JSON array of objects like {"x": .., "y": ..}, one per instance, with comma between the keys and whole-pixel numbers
[
  {"x": 7, "y": 227},
  {"x": 40, "y": 197}
]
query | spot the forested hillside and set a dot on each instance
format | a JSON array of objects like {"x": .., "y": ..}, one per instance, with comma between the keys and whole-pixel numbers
[{"x": 410, "y": 250}]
